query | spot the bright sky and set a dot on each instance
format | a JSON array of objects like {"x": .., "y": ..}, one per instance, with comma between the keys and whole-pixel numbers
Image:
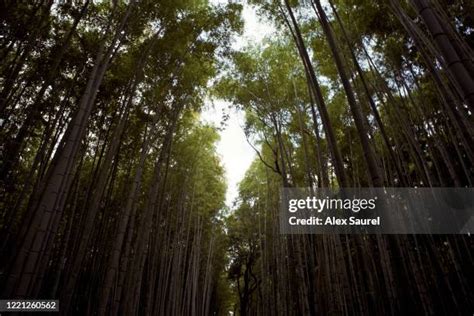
[{"x": 236, "y": 154}]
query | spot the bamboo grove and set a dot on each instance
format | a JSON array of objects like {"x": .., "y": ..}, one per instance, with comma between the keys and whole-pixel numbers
[
  {"x": 110, "y": 185},
  {"x": 112, "y": 195},
  {"x": 353, "y": 94}
]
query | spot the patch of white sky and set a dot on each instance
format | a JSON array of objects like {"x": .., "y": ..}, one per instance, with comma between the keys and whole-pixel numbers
[{"x": 235, "y": 153}]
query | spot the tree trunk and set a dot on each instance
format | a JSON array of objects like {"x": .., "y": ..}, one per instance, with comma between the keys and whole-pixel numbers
[
  {"x": 359, "y": 119},
  {"x": 318, "y": 95},
  {"x": 447, "y": 51}
]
